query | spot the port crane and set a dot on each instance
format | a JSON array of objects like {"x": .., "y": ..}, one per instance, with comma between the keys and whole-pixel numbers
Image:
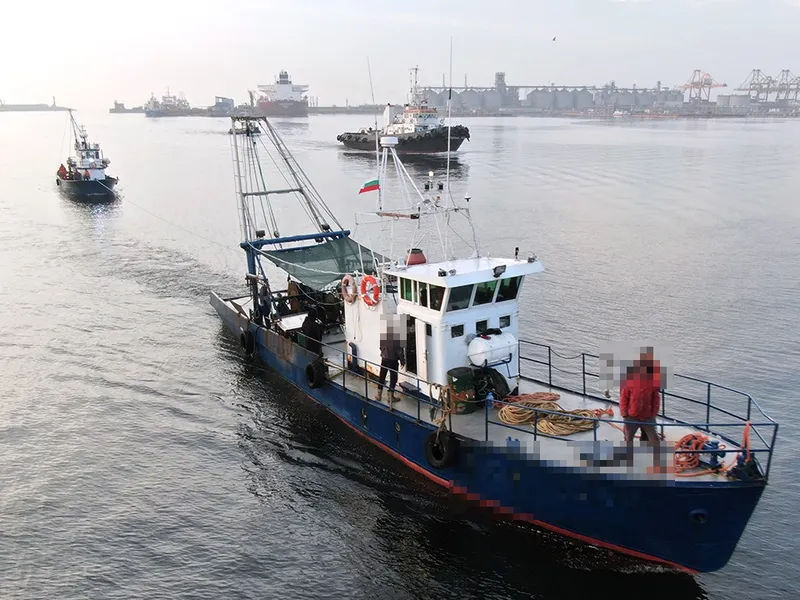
[{"x": 700, "y": 86}]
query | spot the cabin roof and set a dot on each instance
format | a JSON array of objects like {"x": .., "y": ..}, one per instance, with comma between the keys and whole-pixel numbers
[{"x": 467, "y": 270}]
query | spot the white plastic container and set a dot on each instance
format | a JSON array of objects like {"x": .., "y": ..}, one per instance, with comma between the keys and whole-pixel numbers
[{"x": 491, "y": 349}]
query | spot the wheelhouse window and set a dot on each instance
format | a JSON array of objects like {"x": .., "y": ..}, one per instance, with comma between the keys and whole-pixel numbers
[
  {"x": 406, "y": 289},
  {"x": 505, "y": 321},
  {"x": 437, "y": 296},
  {"x": 481, "y": 326},
  {"x": 457, "y": 331},
  {"x": 509, "y": 288},
  {"x": 459, "y": 297},
  {"x": 423, "y": 294},
  {"x": 484, "y": 293}
]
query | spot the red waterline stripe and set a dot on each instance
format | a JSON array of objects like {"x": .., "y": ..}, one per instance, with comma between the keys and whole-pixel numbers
[{"x": 499, "y": 508}]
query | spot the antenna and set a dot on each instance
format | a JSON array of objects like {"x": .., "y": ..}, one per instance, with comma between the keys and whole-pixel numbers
[
  {"x": 377, "y": 136},
  {"x": 449, "y": 110}
]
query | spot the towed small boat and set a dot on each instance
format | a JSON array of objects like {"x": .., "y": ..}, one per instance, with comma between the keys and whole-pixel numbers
[
  {"x": 245, "y": 128},
  {"x": 84, "y": 175},
  {"x": 515, "y": 425}
]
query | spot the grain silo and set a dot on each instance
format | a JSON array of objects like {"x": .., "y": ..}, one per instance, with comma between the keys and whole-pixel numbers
[
  {"x": 583, "y": 99},
  {"x": 435, "y": 98},
  {"x": 470, "y": 100},
  {"x": 492, "y": 100},
  {"x": 625, "y": 99},
  {"x": 541, "y": 99},
  {"x": 564, "y": 100}
]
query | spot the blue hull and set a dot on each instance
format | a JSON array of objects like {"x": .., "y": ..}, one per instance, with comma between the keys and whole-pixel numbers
[
  {"x": 88, "y": 189},
  {"x": 693, "y": 526}
]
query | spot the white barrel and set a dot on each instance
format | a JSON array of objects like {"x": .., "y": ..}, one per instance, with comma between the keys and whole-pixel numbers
[
  {"x": 491, "y": 349},
  {"x": 388, "y": 140}
]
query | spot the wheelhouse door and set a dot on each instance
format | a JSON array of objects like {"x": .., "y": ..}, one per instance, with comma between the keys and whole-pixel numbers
[{"x": 422, "y": 349}]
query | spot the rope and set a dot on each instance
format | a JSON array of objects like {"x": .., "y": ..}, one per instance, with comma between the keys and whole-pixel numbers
[{"x": 562, "y": 423}]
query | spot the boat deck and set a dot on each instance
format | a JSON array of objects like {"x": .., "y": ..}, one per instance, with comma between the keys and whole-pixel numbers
[
  {"x": 601, "y": 443},
  {"x": 690, "y": 406}
]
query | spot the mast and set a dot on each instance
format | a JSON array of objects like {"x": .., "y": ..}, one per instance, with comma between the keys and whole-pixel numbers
[
  {"x": 449, "y": 107},
  {"x": 414, "y": 87},
  {"x": 377, "y": 139}
]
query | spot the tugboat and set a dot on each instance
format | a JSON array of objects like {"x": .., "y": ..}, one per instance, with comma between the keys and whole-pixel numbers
[
  {"x": 282, "y": 98},
  {"x": 418, "y": 128},
  {"x": 517, "y": 426},
  {"x": 85, "y": 174}
]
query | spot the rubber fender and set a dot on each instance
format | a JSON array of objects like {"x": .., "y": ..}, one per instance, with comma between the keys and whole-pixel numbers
[
  {"x": 248, "y": 341},
  {"x": 315, "y": 374},
  {"x": 441, "y": 449}
]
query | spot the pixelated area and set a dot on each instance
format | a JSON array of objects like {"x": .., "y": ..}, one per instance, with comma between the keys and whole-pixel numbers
[
  {"x": 394, "y": 328},
  {"x": 621, "y": 360}
]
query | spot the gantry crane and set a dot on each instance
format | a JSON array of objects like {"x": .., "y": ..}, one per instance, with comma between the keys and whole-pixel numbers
[{"x": 700, "y": 86}]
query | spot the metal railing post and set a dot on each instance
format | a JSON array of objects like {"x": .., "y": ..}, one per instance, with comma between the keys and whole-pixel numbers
[
  {"x": 708, "y": 407},
  {"x": 550, "y": 366},
  {"x": 344, "y": 370},
  {"x": 535, "y": 423},
  {"x": 583, "y": 369},
  {"x": 486, "y": 419},
  {"x": 419, "y": 409}
]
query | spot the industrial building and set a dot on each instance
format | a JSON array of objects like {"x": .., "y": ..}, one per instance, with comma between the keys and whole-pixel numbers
[{"x": 765, "y": 96}]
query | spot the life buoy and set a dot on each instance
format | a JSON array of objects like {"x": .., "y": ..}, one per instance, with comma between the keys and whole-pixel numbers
[
  {"x": 348, "y": 283},
  {"x": 91, "y": 165},
  {"x": 315, "y": 374},
  {"x": 441, "y": 449},
  {"x": 370, "y": 290}
]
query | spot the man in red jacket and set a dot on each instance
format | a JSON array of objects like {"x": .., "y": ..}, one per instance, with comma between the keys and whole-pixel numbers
[{"x": 639, "y": 403}]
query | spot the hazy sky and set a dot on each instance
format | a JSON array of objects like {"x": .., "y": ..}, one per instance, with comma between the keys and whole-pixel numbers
[{"x": 87, "y": 55}]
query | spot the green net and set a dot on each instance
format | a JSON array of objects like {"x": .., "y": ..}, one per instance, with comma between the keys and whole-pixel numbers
[{"x": 323, "y": 265}]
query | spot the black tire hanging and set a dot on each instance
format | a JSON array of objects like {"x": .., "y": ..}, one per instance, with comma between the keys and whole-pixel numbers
[
  {"x": 248, "y": 342},
  {"x": 315, "y": 374},
  {"x": 441, "y": 449}
]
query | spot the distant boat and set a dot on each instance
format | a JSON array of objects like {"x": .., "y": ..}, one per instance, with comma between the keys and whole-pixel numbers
[
  {"x": 419, "y": 129},
  {"x": 119, "y": 108},
  {"x": 246, "y": 127},
  {"x": 31, "y": 107},
  {"x": 84, "y": 176},
  {"x": 171, "y": 106},
  {"x": 282, "y": 98}
]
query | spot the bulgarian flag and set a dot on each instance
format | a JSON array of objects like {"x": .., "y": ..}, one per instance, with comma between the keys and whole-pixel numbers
[{"x": 370, "y": 186}]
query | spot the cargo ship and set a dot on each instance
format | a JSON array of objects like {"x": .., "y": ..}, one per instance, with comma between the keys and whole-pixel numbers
[
  {"x": 282, "y": 98},
  {"x": 31, "y": 107}
]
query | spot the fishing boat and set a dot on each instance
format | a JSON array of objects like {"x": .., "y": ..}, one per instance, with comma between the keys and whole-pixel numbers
[
  {"x": 418, "y": 127},
  {"x": 84, "y": 175},
  {"x": 518, "y": 426}
]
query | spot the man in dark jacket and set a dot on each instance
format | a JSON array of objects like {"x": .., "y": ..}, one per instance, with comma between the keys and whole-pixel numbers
[
  {"x": 311, "y": 332},
  {"x": 392, "y": 356}
]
